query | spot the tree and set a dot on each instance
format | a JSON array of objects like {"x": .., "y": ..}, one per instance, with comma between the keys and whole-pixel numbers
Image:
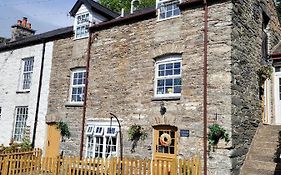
[{"x": 117, "y": 5}]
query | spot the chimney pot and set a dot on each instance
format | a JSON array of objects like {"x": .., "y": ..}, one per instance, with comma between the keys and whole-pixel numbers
[
  {"x": 24, "y": 21},
  {"x": 19, "y": 23},
  {"x": 28, "y": 25}
]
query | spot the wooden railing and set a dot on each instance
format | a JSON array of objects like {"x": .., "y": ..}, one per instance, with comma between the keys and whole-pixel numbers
[{"x": 35, "y": 164}]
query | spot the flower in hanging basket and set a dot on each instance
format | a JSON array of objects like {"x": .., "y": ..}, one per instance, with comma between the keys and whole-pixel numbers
[{"x": 216, "y": 132}]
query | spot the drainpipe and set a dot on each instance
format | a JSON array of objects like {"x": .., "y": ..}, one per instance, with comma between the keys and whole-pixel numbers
[
  {"x": 85, "y": 94},
  {"x": 205, "y": 115},
  {"x": 38, "y": 95}
]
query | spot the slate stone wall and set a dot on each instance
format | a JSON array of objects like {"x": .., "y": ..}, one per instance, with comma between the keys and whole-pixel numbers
[
  {"x": 246, "y": 60},
  {"x": 67, "y": 54},
  {"x": 121, "y": 79}
]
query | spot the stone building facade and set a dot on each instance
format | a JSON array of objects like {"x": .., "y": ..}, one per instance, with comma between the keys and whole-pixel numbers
[{"x": 123, "y": 73}]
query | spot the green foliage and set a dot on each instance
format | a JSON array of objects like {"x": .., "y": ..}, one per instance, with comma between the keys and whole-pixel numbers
[
  {"x": 24, "y": 146},
  {"x": 117, "y": 5},
  {"x": 136, "y": 132},
  {"x": 64, "y": 130},
  {"x": 216, "y": 132},
  {"x": 265, "y": 72}
]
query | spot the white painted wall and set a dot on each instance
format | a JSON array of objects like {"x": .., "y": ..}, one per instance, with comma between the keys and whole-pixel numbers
[{"x": 10, "y": 71}]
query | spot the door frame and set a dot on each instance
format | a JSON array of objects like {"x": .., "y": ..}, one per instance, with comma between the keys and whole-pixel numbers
[{"x": 277, "y": 96}]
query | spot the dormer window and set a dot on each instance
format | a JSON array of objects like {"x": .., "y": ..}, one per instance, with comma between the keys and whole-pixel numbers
[
  {"x": 82, "y": 25},
  {"x": 168, "y": 8}
]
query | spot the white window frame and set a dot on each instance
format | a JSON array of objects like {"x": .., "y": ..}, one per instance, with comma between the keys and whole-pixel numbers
[
  {"x": 96, "y": 138},
  {"x": 175, "y": 58},
  {"x": 83, "y": 25},
  {"x": 164, "y": 4},
  {"x": 21, "y": 116},
  {"x": 26, "y": 73},
  {"x": 77, "y": 86}
]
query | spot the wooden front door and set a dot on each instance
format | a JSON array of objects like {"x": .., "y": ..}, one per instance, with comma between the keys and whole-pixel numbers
[
  {"x": 53, "y": 141},
  {"x": 165, "y": 150}
]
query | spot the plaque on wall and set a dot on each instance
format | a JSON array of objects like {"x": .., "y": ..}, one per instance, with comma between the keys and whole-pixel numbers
[{"x": 184, "y": 133}]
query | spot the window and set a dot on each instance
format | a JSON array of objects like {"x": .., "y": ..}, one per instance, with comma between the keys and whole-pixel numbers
[
  {"x": 77, "y": 85},
  {"x": 82, "y": 25},
  {"x": 168, "y": 76},
  {"x": 20, "y": 123},
  {"x": 27, "y": 73},
  {"x": 168, "y": 8},
  {"x": 102, "y": 142},
  {"x": 0, "y": 112}
]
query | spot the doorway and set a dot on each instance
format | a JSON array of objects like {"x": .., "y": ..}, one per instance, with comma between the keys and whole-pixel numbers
[
  {"x": 164, "y": 149},
  {"x": 53, "y": 141},
  {"x": 277, "y": 94}
]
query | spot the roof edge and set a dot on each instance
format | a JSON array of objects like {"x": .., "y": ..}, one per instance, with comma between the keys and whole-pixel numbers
[
  {"x": 142, "y": 15},
  {"x": 149, "y": 13}
]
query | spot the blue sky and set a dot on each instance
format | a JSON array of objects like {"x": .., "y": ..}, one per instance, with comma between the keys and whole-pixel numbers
[{"x": 44, "y": 15}]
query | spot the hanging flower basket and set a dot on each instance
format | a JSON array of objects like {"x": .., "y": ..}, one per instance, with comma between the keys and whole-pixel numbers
[
  {"x": 265, "y": 72},
  {"x": 216, "y": 132}
]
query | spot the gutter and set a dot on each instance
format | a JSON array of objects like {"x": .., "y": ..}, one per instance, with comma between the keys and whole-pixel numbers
[
  {"x": 39, "y": 94},
  {"x": 205, "y": 82},
  {"x": 85, "y": 94}
]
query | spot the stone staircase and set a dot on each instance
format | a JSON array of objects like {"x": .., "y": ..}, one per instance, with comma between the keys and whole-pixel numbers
[{"x": 263, "y": 156}]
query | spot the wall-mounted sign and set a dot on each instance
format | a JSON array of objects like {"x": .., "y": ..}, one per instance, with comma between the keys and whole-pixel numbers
[{"x": 184, "y": 133}]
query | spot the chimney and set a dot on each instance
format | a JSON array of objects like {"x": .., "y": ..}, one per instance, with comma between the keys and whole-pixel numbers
[{"x": 21, "y": 30}]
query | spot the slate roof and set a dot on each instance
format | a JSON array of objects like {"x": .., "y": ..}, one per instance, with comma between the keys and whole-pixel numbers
[
  {"x": 37, "y": 39},
  {"x": 94, "y": 6}
]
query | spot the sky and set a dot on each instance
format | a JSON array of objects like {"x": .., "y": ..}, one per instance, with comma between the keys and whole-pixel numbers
[{"x": 44, "y": 15}]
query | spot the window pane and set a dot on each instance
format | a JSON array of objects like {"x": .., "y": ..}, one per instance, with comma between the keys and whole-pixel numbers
[
  {"x": 169, "y": 72},
  {"x": 177, "y": 65},
  {"x": 177, "y": 12},
  {"x": 177, "y": 71},
  {"x": 177, "y": 89},
  {"x": 160, "y": 83},
  {"x": 169, "y": 90},
  {"x": 169, "y": 66},
  {"x": 169, "y": 82},
  {"x": 169, "y": 14},
  {"x": 160, "y": 90},
  {"x": 177, "y": 81},
  {"x": 161, "y": 73}
]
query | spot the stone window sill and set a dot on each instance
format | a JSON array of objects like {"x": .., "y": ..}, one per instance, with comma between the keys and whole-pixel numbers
[
  {"x": 171, "y": 98},
  {"x": 22, "y": 91},
  {"x": 69, "y": 104}
]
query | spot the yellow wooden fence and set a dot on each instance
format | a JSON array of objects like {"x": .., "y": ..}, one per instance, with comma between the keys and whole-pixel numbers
[{"x": 37, "y": 165}]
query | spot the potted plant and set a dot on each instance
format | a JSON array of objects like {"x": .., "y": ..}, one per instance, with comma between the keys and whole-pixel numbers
[
  {"x": 216, "y": 132},
  {"x": 264, "y": 72},
  {"x": 136, "y": 133}
]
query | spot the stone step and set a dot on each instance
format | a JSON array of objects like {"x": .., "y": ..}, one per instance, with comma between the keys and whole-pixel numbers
[
  {"x": 264, "y": 157},
  {"x": 254, "y": 171},
  {"x": 263, "y": 165},
  {"x": 261, "y": 150},
  {"x": 269, "y": 138},
  {"x": 264, "y": 144}
]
